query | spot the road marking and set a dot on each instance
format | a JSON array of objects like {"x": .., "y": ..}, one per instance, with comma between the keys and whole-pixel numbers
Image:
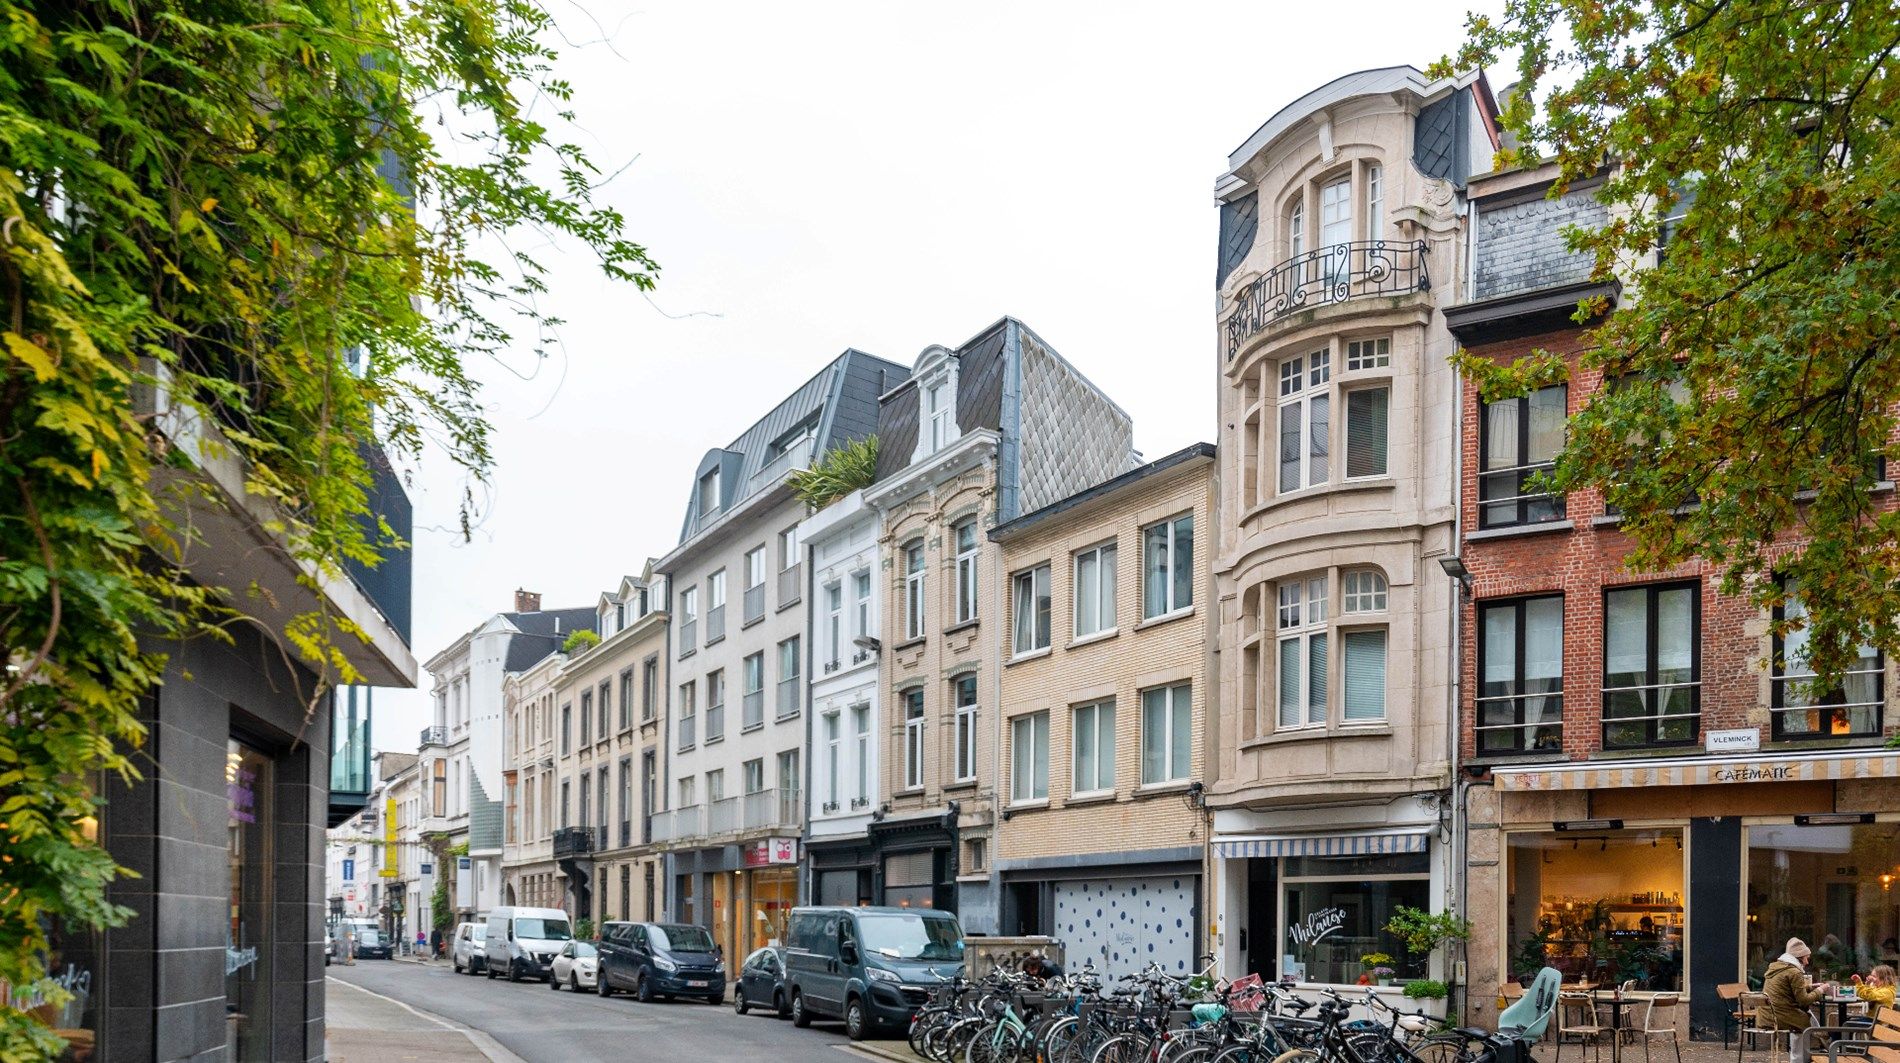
[{"x": 483, "y": 1043}]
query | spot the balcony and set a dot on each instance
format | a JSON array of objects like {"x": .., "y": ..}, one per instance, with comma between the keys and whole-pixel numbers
[
  {"x": 675, "y": 824},
  {"x": 715, "y": 624},
  {"x": 754, "y": 603},
  {"x": 435, "y": 736},
  {"x": 689, "y": 635},
  {"x": 1332, "y": 274},
  {"x": 716, "y": 722},
  {"x": 788, "y": 696},
  {"x": 763, "y": 810},
  {"x": 791, "y": 585},
  {"x": 573, "y": 841},
  {"x": 796, "y": 456},
  {"x": 689, "y": 732},
  {"x": 754, "y": 708}
]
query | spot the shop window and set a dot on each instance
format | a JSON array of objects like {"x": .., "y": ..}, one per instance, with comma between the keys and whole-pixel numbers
[
  {"x": 1652, "y": 690},
  {"x": 1603, "y": 906},
  {"x": 1829, "y": 885},
  {"x": 1803, "y": 707},
  {"x": 1521, "y": 662},
  {"x": 1333, "y": 910},
  {"x": 910, "y": 879},
  {"x": 248, "y": 782}
]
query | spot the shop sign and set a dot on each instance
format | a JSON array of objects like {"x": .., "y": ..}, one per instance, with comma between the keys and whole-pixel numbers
[
  {"x": 1755, "y": 773},
  {"x": 1317, "y": 925},
  {"x": 390, "y": 853},
  {"x": 349, "y": 869},
  {"x": 772, "y": 851},
  {"x": 428, "y": 868},
  {"x": 1738, "y": 740}
]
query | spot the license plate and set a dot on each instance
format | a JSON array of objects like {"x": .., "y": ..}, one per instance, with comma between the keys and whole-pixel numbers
[{"x": 696, "y": 985}]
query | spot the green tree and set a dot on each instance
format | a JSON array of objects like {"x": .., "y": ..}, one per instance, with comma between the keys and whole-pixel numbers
[
  {"x": 1754, "y": 367},
  {"x": 225, "y": 203}
]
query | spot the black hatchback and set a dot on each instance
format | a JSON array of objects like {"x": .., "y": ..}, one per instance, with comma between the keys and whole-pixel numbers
[
  {"x": 663, "y": 960},
  {"x": 762, "y": 983}
]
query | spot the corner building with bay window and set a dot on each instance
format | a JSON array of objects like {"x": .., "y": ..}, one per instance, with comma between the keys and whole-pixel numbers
[
  {"x": 1341, "y": 240},
  {"x": 1651, "y": 791}
]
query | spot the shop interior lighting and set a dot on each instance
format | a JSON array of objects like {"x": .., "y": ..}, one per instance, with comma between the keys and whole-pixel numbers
[
  {"x": 1589, "y": 824},
  {"x": 1834, "y": 819}
]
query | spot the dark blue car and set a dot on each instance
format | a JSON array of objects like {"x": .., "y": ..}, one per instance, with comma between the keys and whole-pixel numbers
[{"x": 663, "y": 960}]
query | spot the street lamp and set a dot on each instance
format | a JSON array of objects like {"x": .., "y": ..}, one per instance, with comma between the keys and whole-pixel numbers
[{"x": 1454, "y": 567}]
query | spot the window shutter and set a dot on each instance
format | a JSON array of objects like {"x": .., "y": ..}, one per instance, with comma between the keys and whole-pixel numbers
[
  {"x": 1316, "y": 678},
  {"x": 1290, "y": 683},
  {"x": 1366, "y": 432},
  {"x": 1365, "y": 675}
]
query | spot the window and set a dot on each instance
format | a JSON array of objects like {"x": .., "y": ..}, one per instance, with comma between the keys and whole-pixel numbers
[
  {"x": 587, "y": 717},
  {"x": 833, "y": 748},
  {"x": 1362, "y": 591},
  {"x": 754, "y": 569},
  {"x": 1029, "y": 757},
  {"x": 715, "y": 705},
  {"x": 788, "y": 548},
  {"x": 1369, "y": 354},
  {"x": 861, "y": 729},
  {"x": 1362, "y": 671},
  {"x": 1095, "y": 590},
  {"x": 567, "y": 728},
  {"x": 1032, "y": 610},
  {"x": 1519, "y": 440},
  {"x": 1803, "y": 708},
  {"x": 789, "y": 780},
  {"x": 1167, "y": 727},
  {"x": 1167, "y": 552},
  {"x": 965, "y": 533},
  {"x": 715, "y": 786},
  {"x": 566, "y": 796},
  {"x": 688, "y": 796},
  {"x": 709, "y": 496},
  {"x": 689, "y": 717},
  {"x": 1375, "y": 202},
  {"x": 938, "y": 411},
  {"x": 1366, "y": 410},
  {"x": 1335, "y": 214},
  {"x": 626, "y": 699},
  {"x": 1820, "y": 881},
  {"x": 789, "y": 663},
  {"x": 606, "y": 696},
  {"x": 1612, "y": 900},
  {"x": 1305, "y": 411},
  {"x": 1521, "y": 675},
  {"x": 689, "y": 619},
  {"x": 649, "y": 688},
  {"x": 1333, "y": 910},
  {"x": 1652, "y": 690},
  {"x": 440, "y": 793},
  {"x": 753, "y": 674},
  {"x": 716, "y": 606},
  {"x": 914, "y": 589},
  {"x": 914, "y": 739},
  {"x": 861, "y": 591},
  {"x": 834, "y": 625},
  {"x": 1301, "y": 623},
  {"x": 754, "y": 774},
  {"x": 1092, "y": 733},
  {"x": 965, "y": 691},
  {"x": 1296, "y": 229}
]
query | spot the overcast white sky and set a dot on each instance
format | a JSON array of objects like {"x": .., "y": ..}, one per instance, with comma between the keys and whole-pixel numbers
[{"x": 885, "y": 176}]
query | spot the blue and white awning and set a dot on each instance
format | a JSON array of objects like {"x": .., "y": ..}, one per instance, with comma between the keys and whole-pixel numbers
[{"x": 1391, "y": 843}]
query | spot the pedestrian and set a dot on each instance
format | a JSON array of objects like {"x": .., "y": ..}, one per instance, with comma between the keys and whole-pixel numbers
[
  {"x": 349, "y": 948},
  {"x": 1036, "y": 967},
  {"x": 1791, "y": 992},
  {"x": 435, "y": 943}
]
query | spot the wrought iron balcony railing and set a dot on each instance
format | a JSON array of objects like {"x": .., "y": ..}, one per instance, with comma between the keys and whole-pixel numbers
[
  {"x": 435, "y": 736},
  {"x": 573, "y": 841},
  {"x": 1331, "y": 274}
]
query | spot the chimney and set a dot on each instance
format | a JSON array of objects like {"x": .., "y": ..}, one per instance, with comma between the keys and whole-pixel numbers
[{"x": 527, "y": 601}]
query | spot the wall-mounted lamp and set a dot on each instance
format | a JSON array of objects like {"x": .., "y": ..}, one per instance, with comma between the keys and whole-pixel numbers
[
  {"x": 866, "y": 642},
  {"x": 1454, "y": 567}
]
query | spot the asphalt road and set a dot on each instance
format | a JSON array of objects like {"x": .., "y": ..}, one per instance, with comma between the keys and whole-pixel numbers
[{"x": 562, "y": 1027}]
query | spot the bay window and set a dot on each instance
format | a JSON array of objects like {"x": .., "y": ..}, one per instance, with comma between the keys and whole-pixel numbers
[{"x": 1305, "y": 420}]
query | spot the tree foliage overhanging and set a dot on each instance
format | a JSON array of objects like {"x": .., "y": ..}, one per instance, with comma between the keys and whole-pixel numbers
[
  {"x": 1767, "y": 132},
  {"x": 225, "y": 202}
]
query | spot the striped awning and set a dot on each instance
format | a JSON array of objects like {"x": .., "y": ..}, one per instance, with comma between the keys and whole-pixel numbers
[
  {"x": 1235, "y": 847},
  {"x": 1703, "y": 771}
]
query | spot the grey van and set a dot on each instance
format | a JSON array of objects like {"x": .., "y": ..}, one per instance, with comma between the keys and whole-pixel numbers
[{"x": 871, "y": 967}]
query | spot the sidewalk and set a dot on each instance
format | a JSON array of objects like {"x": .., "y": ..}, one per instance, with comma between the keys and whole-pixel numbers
[
  {"x": 365, "y": 1027},
  {"x": 894, "y": 1051}
]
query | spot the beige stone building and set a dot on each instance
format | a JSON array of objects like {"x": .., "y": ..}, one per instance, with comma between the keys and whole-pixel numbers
[
  {"x": 529, "y": 715},
  {"x": 1341, "y": 240},
  {"x": 1103, "y": 834},
  {"x": 976, "y": 436}
]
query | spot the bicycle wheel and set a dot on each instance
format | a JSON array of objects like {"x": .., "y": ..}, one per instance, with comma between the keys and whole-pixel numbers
[
  {"x": 1299, "y": 1055},
  {"x": 1242, "y": 1054},
  {"x": 1122, "y": 1048},
  {"x": 982, "y": 1047},
  {"x": 1449, "y": 1048},
  {"x": 920, "y": 1032}
]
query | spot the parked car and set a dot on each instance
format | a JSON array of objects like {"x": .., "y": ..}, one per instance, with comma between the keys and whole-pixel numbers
[
  {"x": 762, "y": 983},
  {"x": 871, "y": 967},
  {"x": 521, "y": 942},
  {"x": 371, "y": 943},
  {"x": 574, "y": 967},
  {"x": 664, "y": 960},
  {"x": 467, "y": 950}
]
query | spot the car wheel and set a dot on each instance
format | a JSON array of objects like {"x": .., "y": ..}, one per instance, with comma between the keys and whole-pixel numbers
[
  {"x": 855, "y": 1024},
  {"x": 554, "y": 984},
  {"x": 573, "y": 981},
  {"x": 514, "y": 972},
  {"x": 642, "y": 989},
  {"x": 778, "y": 1005},
  {"x": 458, "y": 967},
  {"x": 800, "y": 1017},
  {"x": 738, "y": 1001},
  {"x": 489, "y": 971}
]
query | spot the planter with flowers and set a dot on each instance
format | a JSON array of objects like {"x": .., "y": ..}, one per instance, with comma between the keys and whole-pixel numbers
[{"x": 1378, "y": 970}]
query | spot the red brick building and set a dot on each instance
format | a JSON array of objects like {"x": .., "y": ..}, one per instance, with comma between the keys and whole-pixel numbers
[{"x": 1647, "y": 794}]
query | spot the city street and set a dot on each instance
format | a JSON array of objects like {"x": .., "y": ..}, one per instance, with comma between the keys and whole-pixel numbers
[{"x": 538, "y": 1024}]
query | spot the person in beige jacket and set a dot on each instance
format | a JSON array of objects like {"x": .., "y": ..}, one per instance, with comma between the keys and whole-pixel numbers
[{"x": 1790, "y": 996}]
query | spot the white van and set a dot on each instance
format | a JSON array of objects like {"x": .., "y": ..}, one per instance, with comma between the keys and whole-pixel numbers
[
  {"x": 522, "y": 942},
  {"x": 469, "y": 951}
]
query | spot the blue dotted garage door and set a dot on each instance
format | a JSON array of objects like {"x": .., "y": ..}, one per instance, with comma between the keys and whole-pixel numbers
[{"x": 1124, "y": 924}]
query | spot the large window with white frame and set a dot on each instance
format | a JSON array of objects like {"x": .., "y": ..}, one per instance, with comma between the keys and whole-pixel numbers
[
  {"x": 1031, "y": 613},
  {"x": 1092, "y": 734},
  {"x": 1029, "y": 757},
  {"x": 914, "y": 738},
  {"x": 689, "y": 619},
  {"x": 1300, "y": 624},
  {"x": 1167, "y": 734},
  {"x": 861, "y": 606},
  {"x": 754, "y": 583},
  {"x": 1167, "y": 567},
  {"x": 963, "y": 688},
  {"x": 834, "y": 625},
  {"x": 834, "y": 748},
  {"x": 1305, "y": 420},
  {"x": 1307, "y": 397},
  {"x": 964, "y": 533},
  {"x": 752, "y": 701},
  {"x": 914, "y": 589},
  {"x": 1806, "y": 708},
  {"x": 1095, "y": 590},
  {"x": 1311, "y": 640}
]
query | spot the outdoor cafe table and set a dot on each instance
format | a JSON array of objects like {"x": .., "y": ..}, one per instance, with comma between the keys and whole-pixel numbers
[{"x": 1616, "y": 1002}]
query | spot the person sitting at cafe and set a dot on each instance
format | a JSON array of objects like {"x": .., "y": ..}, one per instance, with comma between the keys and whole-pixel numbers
[
  {"x": 1877, "y": 988},
  {"x": 1790, "y": 995}
]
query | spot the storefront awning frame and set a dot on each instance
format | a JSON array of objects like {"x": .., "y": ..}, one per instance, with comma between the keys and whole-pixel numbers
[
  {"x": 1380, "y": 843},
  {"x": 1701, "y": 771}
]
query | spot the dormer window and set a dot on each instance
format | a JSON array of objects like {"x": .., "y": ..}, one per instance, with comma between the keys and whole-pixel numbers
[
  {"x": 936, "y": 402},
  {"x": 709, "y": 498}
]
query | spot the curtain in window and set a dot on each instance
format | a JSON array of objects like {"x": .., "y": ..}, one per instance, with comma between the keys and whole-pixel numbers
[
  {"x": 1366, "y": 432},
  {"x": 1084, "y": 740},
  {"x": 1364, "y": 672},
  {"x": 1183, "y": 562},
  {"x": 1543, "y": 668}
]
